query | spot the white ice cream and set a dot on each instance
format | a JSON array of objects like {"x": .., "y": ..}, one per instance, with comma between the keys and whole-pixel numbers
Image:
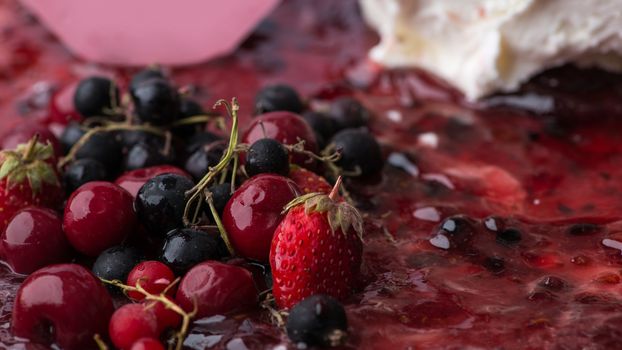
[{"x": 482, "y": 46}]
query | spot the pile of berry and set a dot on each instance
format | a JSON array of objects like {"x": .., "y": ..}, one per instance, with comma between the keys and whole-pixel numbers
[{"x": 145, "y": 200}]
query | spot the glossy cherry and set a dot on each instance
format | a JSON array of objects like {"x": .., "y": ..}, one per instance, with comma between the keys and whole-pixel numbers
[
  {"x": 287, "y": 128},
  {"x": 147, "y": 344},
  {"x": 130, "y": 323},
  {"x": 98, "y": 215},
  {"x": 133, "y": 180},
  {"x": 62, "y": 304},
  {"x": 218, "y": 288},
  {"x": 254, "y": 211},
  {"x": 167, "y": 318},
  {"x": 33, "y": 239},
  {"x": 154, "y": 276}
]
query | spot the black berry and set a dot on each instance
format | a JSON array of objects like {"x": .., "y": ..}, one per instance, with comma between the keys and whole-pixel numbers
[
  {"x": 116, "y": 263},
  {"x": 160, "y": 203},
  {"x": 220, "y": 195},
  {"x": 277, "y": 98},
  {"x": 199, "y": 162},
  {"x": 184, "y": 248},
  {"x": 199, "y": 140},
  {"x": 267, "y": 156},
  {"x": 156, "y": 101},
  {"x": 71, "y": 134},
  {"x": 144, "y": 75},
  {"x": 146, "y": 154},
  {"x": 130, "y": 138},
  {"x": 189, "y": 108},
  {"x": 360, "y": 152},
  {"x": 323, "y": 126},
  {"x": 95, "y": 96},
  {"x": 319, "y": 320},
  {"x": 103, "y": 147},
  {"x": 82, "y": 171},
  {"x": 347, "y": 112},
  {"x": 509, "y": 236}
]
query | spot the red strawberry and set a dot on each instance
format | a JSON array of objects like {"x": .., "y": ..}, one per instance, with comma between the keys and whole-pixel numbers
[
  {"x": 28, "y": 177},
  {"x": 308, "y": 181},
  {"x": 316, "y": 249}
]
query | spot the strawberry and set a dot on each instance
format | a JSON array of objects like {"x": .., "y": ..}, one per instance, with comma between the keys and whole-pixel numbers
[
  {"x": 28, "y": 177},
  {"x": 316, "y": 249},
  {"x": 308, "y": 181}
]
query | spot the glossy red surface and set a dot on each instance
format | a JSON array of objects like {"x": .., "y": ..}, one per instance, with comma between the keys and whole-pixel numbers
[
  {"x": 63, "y": 304},
  {"x": 133, "y": 180},
  {"x": 147, "y": 344},
  {"x": 131, "y": 322},
  {"x": 218, "y": 289},
  {"x": 153, "y": 276},
  {"x": 542, "y": 160},
  {"x": 254, "y": 211},
  {"x": 98, "y": 215},
  {"x": 33, "y": 239}
]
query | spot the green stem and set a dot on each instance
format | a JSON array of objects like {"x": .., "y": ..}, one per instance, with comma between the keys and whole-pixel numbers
[
  {"x": 221, "y": 228},
  {"x": 30, "y": 149}
]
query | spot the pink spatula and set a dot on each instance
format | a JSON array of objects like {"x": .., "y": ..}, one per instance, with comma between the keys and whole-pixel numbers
[{"x": 141, "y": 32}]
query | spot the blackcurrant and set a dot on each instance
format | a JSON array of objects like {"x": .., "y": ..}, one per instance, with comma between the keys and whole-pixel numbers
[
  {"x": 144, "y": 75},
  {"x": 116, "y": 263},
  {"x": 347, "y": 112},
  {"x": 184, "y": 248},
  {"x": 189, "y": 108},
  {"x": 96, "y": 96},
  {"x": 199, "y": 140},
  {"x": 146, "y": 154},
  {"x": 267, "y": 156},
  {"x": 82, "y": 171},
  {"x": 160, "y": 203},
  {"x": 319, "y": 320},
  {"x": 156, "y": 101},
  {"x": 103, "y": 147},
  {"x": 221, "y": 194},
  {"x": 360, "y": 152},
  {"x": 323, "y": 126},
  {"x": 278, "y": 97},
  {"x": 71, "y": 134},
  {"x": 199, "y": 162},
  {"x": 130, "y": 138}
]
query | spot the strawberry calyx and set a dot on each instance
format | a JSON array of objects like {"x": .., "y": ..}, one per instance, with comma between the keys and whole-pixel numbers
[
  {"x": 340, "y": 215},
  {"x": 31, "y": 162}
]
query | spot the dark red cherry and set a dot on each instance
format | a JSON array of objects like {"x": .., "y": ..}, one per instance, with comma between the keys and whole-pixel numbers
[
  {"x": 24, "y": 131},
  {"x": 287, "y": 128},
  {"x": 147, "y": 344},
  {"x": 133, "y": 180},
  {"x": 64, "y": 305},
  {"x": 154, "y": 276},
  {"x": 130, "y": 323},
  {"x": 33, "y": 239},
  {"x": 218, "y": 288},
  {"x": 167, "y": 318},
  {"x": 98, "y": 215},
  {"x": 254, "y": 211}
]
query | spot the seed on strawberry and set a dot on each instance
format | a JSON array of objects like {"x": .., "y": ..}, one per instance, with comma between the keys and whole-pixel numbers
[
  {"x": 95, "y": 96},
  {"x": 316, "y": 249},
  {"x": 319, "y": 320},
  {"x": 28, "y": 177},
  {"x": 308, "y": 181},
  {"x": 267, "y": 156}
]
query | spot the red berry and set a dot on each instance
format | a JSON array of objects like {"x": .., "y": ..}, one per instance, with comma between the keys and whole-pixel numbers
[
  {"x": 98, "y": 215},
  {"x": 147, "y": 344},
  {"x": 154, "y": 276},
  {"x": 308, "y": 181},
  {"x": 133, "y": 180},
  {"x": 287, "y": 128},
  {"x": 217, "y": 288},
  {"x": 63, "y": 304},
  {"x": 130, "y": 323},
  {"x": 33, "y": 239},
  {"x": 28, "y": 177},
  {"x": 24, "y": 131},
  {"x": 312, "y": 255},
  {"x": 254, "y": 211},
  {"x": 167, "y": 318}
]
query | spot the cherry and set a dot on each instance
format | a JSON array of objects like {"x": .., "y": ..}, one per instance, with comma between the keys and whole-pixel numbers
[
  {"x": 153, "y": 276},
  {"x": 147, "y": 344},
  {"x": 133, "y": 180},
  {"x": 96, "y": 96},
  {"x": 278, "y": 97},
  {"x": 62, "y": 304},
  {"x": 24, "y": 131},
  {"x": 218, "y": 288},
  {"x": 160, "y": 203},
  {"x": 184, "y": 248},
  {"x": 130, "y": 323},
  {"x": 254, "y": 211},
  {"x": 347, "y": 113},
  {"x": 167, "y": 318},
  {"x": 33, "y": 239},
  {"x": 98, "y": 215},
  {"x": 287, "y": 128}
]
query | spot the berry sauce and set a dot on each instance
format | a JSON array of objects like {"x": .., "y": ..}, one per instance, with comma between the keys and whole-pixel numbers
[{"x": 537, "y": 174}]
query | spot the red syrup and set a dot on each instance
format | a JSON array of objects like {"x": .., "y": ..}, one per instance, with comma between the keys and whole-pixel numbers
[{"x": 545, "y": 161}]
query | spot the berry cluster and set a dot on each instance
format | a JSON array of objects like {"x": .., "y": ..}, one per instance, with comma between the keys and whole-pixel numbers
[{"x": 146, "y": 187}]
